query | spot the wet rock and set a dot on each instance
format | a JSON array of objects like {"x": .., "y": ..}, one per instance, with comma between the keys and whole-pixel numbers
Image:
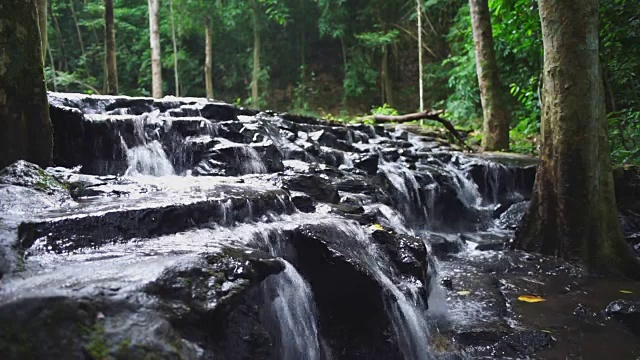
[
  {"x": 219, "y": 111},
  {"x": 303, "y": 202},
  {"x": 353, "y": 327},
  {"x": 585, "y": 313},
  {"x": 510, "y": 219},
  {"x": 500, "y": 344},
  {"x": 72, "y": 229},
  {"x": 442, "y": 246},
  {"x": 86, "y": 328},
  {"x": 447, "y": 283},
  {"x": 626, "y": 311},
  {"x": 408, "y": 254},
  {"x": 368, "y": 163},
  {"x": 215, "y": 302},
  {"x": 25, "y": 174},
  {"x": 320, "y": 189},
  {"x": 359, "y": 185}
]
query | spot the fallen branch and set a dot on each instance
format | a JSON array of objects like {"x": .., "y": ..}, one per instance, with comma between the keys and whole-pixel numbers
[{"x": 423, "y": 115}]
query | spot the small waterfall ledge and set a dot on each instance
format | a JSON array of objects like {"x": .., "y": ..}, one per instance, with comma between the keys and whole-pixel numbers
[{"x": 186, "y": 228}]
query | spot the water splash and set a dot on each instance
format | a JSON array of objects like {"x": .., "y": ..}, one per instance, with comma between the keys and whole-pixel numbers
[{"x": 148, "y": 159}]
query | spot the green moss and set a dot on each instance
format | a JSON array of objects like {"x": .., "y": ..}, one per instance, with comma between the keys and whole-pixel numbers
[{"x": 97, "y": 346}]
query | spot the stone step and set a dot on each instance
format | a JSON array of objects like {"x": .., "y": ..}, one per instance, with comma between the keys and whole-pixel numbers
[{"x": 101, "y": 220}]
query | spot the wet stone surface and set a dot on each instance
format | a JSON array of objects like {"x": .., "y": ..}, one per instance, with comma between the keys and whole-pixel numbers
[{"x": 182, "y": 228}]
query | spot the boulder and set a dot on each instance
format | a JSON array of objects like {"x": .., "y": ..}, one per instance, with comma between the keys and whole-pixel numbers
[{"x": 319, "y": 188}]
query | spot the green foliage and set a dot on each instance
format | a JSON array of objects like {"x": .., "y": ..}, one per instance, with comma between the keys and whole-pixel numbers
[
  {"x": 97, "y": 346},
  {"x": 325, "y": 56},
  {"x": 384, "y": 110}
]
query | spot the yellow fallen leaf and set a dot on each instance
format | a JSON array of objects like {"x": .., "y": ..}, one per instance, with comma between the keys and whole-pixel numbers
[
  {"x": 376, "y": 227},
  {"x": 530, "y": 298},
  {"x": 626, "y": 292},
  {"x": 463, "y": 292}
]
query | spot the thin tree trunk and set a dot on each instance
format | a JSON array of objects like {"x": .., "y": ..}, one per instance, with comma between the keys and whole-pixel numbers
[
  {"x": 492, "y": 95},
  {"x": 75, "y": 21},
  {"x": 53, "y": 69},
  {"x": 420, "y": 77},
  {"x": 42, "y": 23},
  {"x": 208, "y": 58},
  {"x": 110, "y": 42},
  {"x": 345, "y": 68},
  {"x": 25, "y": 129},
  {"x": 573, "y": 211},
  {"x": 387, "y": 85},
  {"x": 255, "y": 75},
  {"x": 154, "y": 40},
  {"x": 175, "y": 51},
  {"x": 301, "y": 44},
  {"x": 56, "y": 25}
]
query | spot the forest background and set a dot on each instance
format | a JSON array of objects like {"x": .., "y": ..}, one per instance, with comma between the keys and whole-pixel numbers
[{"x": 340, "y": 59}]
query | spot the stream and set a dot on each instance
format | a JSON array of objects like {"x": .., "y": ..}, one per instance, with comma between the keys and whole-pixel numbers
[{"x": 181, "y": 228}]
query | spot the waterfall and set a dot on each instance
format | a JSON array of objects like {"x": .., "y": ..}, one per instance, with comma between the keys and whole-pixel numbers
[
  {"x": 403, "y": 303},
  {"x": 290, "y": 305},
  {"x": 148, "y": 159},
  {"x": 250, "y": 161}
]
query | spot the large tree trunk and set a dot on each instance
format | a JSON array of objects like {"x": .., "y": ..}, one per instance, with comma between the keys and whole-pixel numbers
[
  {"x": 573, "y": 211},
  {"x": 42, "y": 23},
  {"x": 208, "y": 58},
  {"x": 255, "y": 76},
  {"x": 154, "y": 40},
  {"x": 110, "y": 42},
  {"x": 176, "y": 77},
  {"x": 25, "y": 128},
  {"x": 492, "y": 95}
]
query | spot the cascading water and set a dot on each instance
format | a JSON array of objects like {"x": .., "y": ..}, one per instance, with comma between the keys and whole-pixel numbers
[
  {"x": 411, "y": 189},
  {"x": 250, "y": 161},
  {"x": 404, "y": 305},
  {"x": 290, "y": 306},
  {"x": 148, "y": 159}
]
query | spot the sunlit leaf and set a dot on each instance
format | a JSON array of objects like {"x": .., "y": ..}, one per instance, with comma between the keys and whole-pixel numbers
[{"x": 531, "y": 298}]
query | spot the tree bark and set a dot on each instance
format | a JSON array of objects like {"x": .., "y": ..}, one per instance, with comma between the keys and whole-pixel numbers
[
  {"x": 493, "y": 96},
  {"x": 573, "y": 210},
  {"x": 176, "y": 77},
  {"x": 154, "y": 40},
  {"x": 255, "y": 75},
  {"x": 110, "y": 44},
  {"x": 25, "y": 128},
  {"x": 42, "y": 23},
  {"x": 208, "y": 58}
]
